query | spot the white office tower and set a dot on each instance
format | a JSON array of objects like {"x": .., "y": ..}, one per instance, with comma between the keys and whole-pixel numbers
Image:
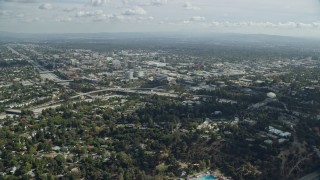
[
  {"x": 139, "y": 74},
  {"x": 129, "y": 75}
]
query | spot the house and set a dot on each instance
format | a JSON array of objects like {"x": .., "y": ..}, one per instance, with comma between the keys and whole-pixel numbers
[
  {"x": 13, "y": 170},
  {"x": 281, "y": 140},
  {"x": 268, "y": 141},
  {"x": 279, "y": 132}
]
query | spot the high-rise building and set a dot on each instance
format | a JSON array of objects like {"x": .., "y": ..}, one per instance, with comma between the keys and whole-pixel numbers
[
  {"x": 139, "y": 73},
  {"x": 129, "y": 75}
]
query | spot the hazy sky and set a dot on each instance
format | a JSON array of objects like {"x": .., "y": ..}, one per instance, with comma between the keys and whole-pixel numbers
[{"x": 284, "y": 17}]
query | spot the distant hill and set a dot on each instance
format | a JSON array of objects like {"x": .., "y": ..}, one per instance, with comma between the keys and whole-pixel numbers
[{"x": 184, "y": 37}]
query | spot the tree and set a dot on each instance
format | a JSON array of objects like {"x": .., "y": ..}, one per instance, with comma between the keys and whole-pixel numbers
[
  {"x": 26, "y": 167},
  {"x": 60, "y": 162},
  {"x": 120, "y": 177}
]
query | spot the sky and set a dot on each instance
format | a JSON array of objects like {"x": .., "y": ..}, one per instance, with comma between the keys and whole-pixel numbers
[{"x": 277, "y": 17}]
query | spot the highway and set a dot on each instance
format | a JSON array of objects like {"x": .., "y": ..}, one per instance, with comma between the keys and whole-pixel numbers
[
  {"x": 44, "y": 73},
  {"x": 16, "y": 52},
  {"x": 38, "y": 109},
  {"x": 312, "y": 176},
  {"x": 129, "y": 90}
]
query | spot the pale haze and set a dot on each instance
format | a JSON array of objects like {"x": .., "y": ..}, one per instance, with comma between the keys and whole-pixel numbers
[{"x": 278, "y": 17}]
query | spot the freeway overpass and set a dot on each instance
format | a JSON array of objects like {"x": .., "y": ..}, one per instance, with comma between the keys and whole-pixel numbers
[
  {"x": 312, "y": 176},
  {"x": 129, "y": 91}
]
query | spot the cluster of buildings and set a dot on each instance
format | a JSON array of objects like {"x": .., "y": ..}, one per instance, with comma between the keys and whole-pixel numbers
[{"x": 278, "y": 135}]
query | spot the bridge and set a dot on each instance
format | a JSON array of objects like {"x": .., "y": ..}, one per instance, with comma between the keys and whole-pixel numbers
[
  {"x": 312, "y": 176},
  {"x": 63, "y": 81},
  {"x": 141, "y": 91},
  {"x": 13, "y": 111},
  {"x": 45, "y": 72}
]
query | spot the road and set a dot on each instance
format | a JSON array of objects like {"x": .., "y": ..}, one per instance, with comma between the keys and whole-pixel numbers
[
  {"x": 44, "y": 73},
  {"x": 260, "y": 104},
  {"x": 129, "y": 90},
  {"x": 16, "y": 52},
  {"x": 312, "y": 176},
  {"x": 38, "y": 109}
]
